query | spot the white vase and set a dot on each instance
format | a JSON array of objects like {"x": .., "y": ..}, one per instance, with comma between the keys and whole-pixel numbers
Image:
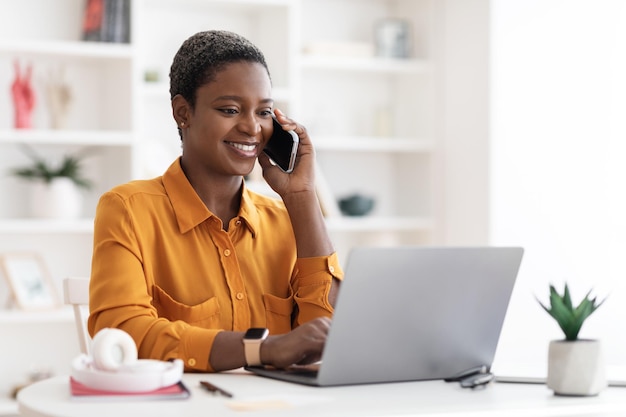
[
  {"x": 60, "y": 199},
  {"x": 576, "y": 367}
]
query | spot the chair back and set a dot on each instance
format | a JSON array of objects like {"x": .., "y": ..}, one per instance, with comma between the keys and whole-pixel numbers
[{"x": 76, "y": 294}]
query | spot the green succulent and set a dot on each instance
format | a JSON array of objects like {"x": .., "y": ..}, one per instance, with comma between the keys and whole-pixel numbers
[
  {"x": 70, "y": 167},
  {"x": 570, "y": 318}
]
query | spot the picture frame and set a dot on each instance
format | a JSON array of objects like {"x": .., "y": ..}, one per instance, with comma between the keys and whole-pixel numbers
[{"x": 30, "y": 284}]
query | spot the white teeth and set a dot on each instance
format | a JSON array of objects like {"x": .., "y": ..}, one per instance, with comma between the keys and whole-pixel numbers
[{"x": 245, "y": 148}]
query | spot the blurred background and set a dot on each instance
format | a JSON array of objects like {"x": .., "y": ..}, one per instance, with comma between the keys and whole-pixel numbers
[{"x": 457, "y": 122}]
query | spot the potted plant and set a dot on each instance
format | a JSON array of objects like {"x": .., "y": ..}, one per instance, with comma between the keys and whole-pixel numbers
[
  {"x": 575, "y": 366},
  {"x": 55, "y": 192}
]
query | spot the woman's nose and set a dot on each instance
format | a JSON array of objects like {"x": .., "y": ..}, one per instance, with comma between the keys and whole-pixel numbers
[{"x": 250, "y": 124}]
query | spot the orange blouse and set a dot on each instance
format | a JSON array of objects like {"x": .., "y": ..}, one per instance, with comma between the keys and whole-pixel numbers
[{"x": 166, "y": 272}]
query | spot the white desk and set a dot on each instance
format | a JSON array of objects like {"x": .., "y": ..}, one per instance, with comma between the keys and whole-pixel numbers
[{"x": 267, "y": 397}]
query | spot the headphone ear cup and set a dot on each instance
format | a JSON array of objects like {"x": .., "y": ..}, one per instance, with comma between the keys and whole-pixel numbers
[{"x": 113, "y": 348}]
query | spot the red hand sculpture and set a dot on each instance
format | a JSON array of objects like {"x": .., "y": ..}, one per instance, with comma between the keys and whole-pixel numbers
[{"x": 23, "y": 97}]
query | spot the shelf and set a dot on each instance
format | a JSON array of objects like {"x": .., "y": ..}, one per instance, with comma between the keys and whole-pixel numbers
[
  {"x": 68, "y": 49},
  {"x": 378, "y": 224},
  {"x": 242, "y": 6},
  {"x": 371, "y": 144},
  {"x": 43, "y": 226},
  {"x": 63, "y": 314},
  {"x": 67, "y": 137},
  {"x": 368, "y": 64},
  {"x": 161, "y": 90}
]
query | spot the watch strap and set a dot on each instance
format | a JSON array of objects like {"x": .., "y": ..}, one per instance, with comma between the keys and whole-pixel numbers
[{"x": 252, "y": 346}]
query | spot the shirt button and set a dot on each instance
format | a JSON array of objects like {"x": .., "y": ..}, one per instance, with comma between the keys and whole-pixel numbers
[
  {"x": 238, "y": 222},
  {"x": 227, "y": 252},
  {"x": 239, "y": 296},
  {"x": 331, "y": 269},
  {"x": 191, "y": 362}
]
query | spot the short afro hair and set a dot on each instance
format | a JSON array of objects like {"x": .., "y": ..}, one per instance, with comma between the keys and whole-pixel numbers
[{"x": 203, "y": 55}]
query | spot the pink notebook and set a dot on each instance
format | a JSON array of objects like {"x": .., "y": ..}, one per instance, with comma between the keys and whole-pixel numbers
[{"x": 82, "y": 392}]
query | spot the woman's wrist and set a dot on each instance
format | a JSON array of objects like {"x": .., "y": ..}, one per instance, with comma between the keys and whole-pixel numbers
[
  {"x": 266, "y": 351},
  {"x": 300, "y": 198}
]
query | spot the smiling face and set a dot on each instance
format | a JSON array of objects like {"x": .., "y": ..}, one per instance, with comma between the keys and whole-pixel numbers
[{"x": 230, "y": 123}]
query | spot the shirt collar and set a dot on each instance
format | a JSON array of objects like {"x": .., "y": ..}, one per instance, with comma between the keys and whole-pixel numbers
[
  {"x": 190, "y": 211},
  {"x": 248, "y": 211}
]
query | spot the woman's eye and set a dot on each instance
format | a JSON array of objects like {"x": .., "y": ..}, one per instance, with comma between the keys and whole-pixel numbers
[
  {"x": 229, "y": 111},
  {"x": 265, "y": 112}
]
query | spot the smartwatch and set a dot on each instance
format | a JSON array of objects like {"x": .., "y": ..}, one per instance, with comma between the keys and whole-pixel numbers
[{"x": 252, "y": 345}]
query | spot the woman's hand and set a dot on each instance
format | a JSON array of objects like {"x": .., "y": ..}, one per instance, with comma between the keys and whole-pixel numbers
[
  {"x": 303, "y": 345},
  {"x": 302, "y": 178}
]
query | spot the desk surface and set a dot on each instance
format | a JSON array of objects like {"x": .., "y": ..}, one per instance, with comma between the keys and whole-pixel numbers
[{"x": 264, "y": 397}]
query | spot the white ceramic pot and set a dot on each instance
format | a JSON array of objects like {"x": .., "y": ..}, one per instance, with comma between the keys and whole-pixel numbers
[
  {"x": 576, "y": 367},
  {"x": 61, "y": 199}
]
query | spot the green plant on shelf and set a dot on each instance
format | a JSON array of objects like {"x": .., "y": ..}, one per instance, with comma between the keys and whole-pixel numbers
[
  {"x": 569, "y": 318},
  {"x": 41, "y": 170}
]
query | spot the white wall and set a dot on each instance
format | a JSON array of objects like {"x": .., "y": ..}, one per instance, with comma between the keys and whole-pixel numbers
[
  {"x": 463, "y": 57},
  {"x": 558, "y": 165}
]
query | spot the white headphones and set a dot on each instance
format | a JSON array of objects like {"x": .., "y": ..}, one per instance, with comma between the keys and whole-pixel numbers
[{"x": 115, "y": 367}]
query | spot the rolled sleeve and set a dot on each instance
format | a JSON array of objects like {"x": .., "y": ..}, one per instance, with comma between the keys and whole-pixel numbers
[
  {"x": 312, "y": 283},
  {"x": 319, "y": 268}
]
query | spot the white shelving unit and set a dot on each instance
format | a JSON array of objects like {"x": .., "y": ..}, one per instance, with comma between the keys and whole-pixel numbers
[
  {"x": 375, "y": 121},
  {"x": 126, "y": 122},
  {"x": 100, "y": 124},
  {"x": 371, "y": 117}
]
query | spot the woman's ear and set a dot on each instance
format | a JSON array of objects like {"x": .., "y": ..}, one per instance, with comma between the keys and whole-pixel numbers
[{"x": 180, "y": 111}]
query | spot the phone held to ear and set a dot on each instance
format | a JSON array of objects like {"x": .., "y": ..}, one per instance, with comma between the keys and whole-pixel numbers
[
  {"x": 114, "y": 366},
  {"x": 282, "y": 147}
]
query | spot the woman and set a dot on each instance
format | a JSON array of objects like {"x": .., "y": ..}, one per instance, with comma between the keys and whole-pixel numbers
[{"x": 188, "y": 262}]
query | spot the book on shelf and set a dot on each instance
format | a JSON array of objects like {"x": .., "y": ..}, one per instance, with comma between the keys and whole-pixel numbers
[
  {"x": 81, "y": 392},
  {"x": 107, "y": 21}
]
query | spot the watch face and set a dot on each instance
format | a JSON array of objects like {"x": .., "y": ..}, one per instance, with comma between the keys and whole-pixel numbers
[{"x": 255, "y": 333}]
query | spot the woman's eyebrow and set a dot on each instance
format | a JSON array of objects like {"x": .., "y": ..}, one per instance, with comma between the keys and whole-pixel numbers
[{"x": 239, "y": 98}]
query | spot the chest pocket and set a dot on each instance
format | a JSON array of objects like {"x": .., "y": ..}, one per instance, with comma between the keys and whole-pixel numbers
[
  {"x": 205, "y": 314},
  {"x": 278, "y": 313}
]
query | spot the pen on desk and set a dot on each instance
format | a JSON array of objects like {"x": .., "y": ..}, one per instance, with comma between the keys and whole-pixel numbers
[{"x": 214, "y": 388}]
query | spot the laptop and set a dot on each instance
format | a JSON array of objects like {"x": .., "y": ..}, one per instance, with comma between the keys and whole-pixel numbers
[{"x": 413, "y": 313}]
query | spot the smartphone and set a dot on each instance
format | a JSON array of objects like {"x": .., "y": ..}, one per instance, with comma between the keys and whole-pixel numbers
[{"x": 282, "y": 147}]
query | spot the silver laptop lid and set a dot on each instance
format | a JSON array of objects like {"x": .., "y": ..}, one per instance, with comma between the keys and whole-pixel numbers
[{"x": 418, "y": 313}]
